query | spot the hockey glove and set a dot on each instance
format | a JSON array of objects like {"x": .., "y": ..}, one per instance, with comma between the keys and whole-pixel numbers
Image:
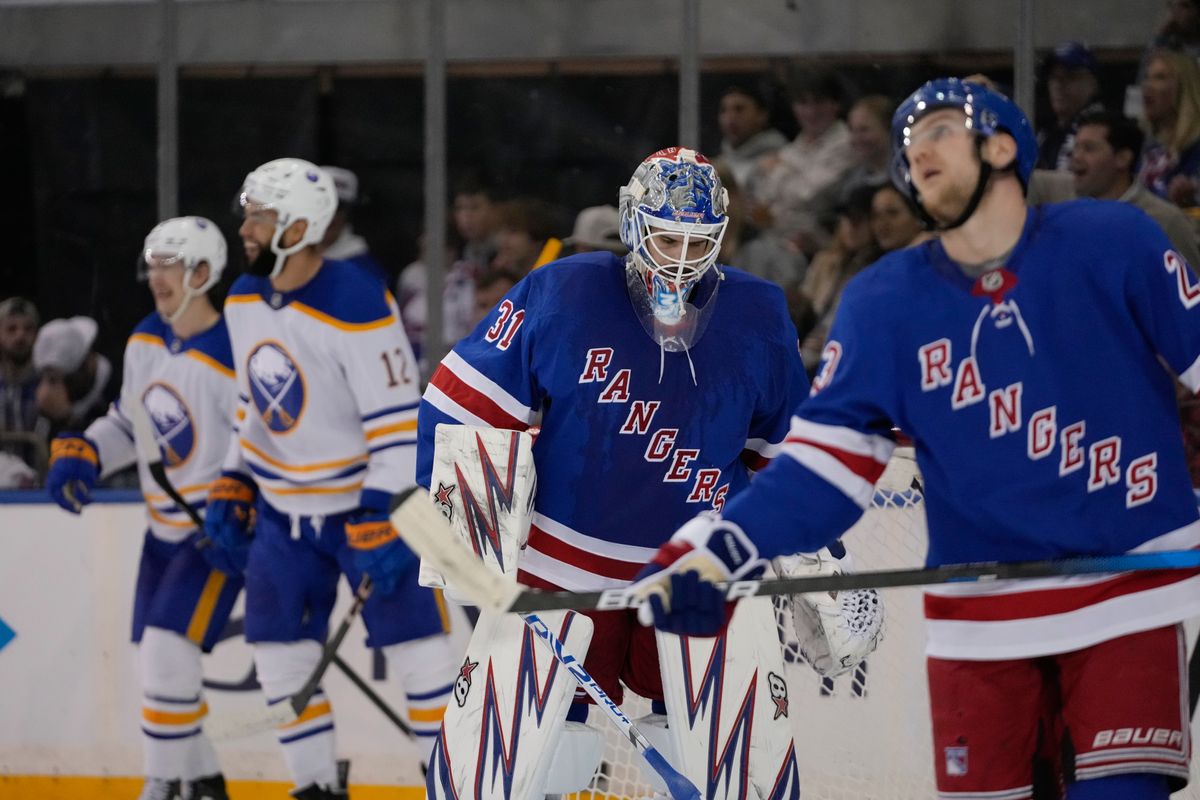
[
  {"x": 835, "y": 632},
  {"x": 378, "y": 549},
  {"x": 713, "y": 550},
  {"x": 74, "y": 469},
  {"x": 229, "y": 522}
]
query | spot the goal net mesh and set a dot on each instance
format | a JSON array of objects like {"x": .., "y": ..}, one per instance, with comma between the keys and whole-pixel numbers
[{"x": 865, "y": 734}]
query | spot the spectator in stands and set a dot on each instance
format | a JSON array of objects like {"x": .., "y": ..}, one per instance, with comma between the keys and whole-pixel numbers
[
  {"x": 851, "y": 251},
  {"x": 744, "y": 118},
  {"x": 1171, "y": 116},
  {"x": 869, "y": 122},
  {"x": 525, "y": 237},
  {"x": 490, "y": 286},
  {"x": 475, "y": 221},
  {"x": 341, "y": 243},
  {"x": 1070, "y": 75},
  {"x": 75, "y": 383},
  {"x": 785, "y": 191},
  {"x": 1180, "y": 30},
  {"x": 458, "y": 296},
  {"x": 18, "y": 383},
  {"x": 596, "y": 228},
  {"x": 1104, "y": 163},
  {"x": 894, "y": 220}
]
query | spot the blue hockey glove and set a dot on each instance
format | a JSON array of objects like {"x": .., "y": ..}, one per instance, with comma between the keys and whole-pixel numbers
[
  {"x": 229, "y": 522},
  {"x": 378, "y": 549},
  {"x": 74, "y": 469},
  {"x": 677, "y": 586}
]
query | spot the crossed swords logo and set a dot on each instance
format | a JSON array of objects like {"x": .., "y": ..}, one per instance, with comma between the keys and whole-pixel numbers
[{"x": 275, "y": 399}]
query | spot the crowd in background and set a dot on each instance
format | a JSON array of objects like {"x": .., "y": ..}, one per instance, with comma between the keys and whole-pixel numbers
[{"x": 807, "y": 214}]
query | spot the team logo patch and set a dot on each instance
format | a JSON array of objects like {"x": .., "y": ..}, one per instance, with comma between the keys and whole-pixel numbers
[
  {"x": 462, "y": 684},
  {"x": 779, "y": 694},
  {"x": 174, "y": 428},
  {"x": 276, "y": 386},
  {"x": 956, "y": 761},
  {"x": 441, "y": 498}
]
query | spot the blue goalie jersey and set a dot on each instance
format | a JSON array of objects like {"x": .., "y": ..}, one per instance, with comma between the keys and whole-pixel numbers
[
  {"x": 1043, "y": 418},
  {"x": 623, "y": 456}
]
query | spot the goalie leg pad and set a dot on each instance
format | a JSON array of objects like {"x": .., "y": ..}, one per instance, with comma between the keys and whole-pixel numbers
[
  {"x": 483, "y": 481},
  {"x": 511, "y": 698},
  {"x": 729, "y": 708}
]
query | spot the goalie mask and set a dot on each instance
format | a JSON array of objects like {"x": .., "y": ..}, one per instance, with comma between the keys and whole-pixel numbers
[
  {"x": 186, "y": 242},
  {"x": 673, "y": 218},
  {"x": 295, "y": 190}
]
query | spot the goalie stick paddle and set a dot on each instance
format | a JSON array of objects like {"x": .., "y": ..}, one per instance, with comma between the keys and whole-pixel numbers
[
  {"x": 428, "y": 533},
  {"x": 679, "y": 787}
]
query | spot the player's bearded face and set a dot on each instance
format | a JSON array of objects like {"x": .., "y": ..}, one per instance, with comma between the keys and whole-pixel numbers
[{"x": 258, "y": 226}]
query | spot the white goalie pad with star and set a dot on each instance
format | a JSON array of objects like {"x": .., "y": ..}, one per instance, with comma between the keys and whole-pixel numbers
[
  {"x": 834, "y": 632},
  {"x": 483, "y": 481},
  {"x": 729, "y": 708},
  {"x": 504, "y": 729}
]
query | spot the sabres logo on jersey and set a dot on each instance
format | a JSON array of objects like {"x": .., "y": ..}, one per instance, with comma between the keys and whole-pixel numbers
[
  {"x": 174, "y": 427},
  {"x": 276, "y": 386}
]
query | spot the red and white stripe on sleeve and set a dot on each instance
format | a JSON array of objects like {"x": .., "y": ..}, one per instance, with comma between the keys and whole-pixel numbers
[
  {"x": 466, "y": 394},
  {"x": 848, "y": 459}
]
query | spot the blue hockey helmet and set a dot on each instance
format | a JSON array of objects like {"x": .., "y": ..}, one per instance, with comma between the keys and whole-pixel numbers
[{"x": 988, "y": 112}]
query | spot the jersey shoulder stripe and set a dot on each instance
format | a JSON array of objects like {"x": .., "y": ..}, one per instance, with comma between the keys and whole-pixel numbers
[{"x": 342, "y": 294}]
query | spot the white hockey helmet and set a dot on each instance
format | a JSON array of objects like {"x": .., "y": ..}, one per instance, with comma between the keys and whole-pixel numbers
[
  {"x": 295, "y": 190},
  {"x": 189, "y": 241}
]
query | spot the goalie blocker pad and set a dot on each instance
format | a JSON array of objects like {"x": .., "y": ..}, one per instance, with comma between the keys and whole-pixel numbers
[
  {"x": 483, "y": 481},
  {"x": 504, "y": 727},
  {"x": 730, "y": 710}
]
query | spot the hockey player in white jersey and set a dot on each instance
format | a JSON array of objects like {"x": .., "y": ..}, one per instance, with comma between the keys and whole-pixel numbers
[
  {"x": 662, "y": 381},
  {"x": 1029, "y": 354},
  {"x": 178, "y": 369},
  {"x": 325, "y": 435}
]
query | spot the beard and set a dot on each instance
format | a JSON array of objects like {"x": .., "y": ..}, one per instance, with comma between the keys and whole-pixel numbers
[
  {"x": 948, "y": 205},
  {"x": 262, "y": 264}
]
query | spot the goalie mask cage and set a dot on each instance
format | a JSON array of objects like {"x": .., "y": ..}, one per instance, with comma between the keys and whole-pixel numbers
[{"x": 865, "y": 734}]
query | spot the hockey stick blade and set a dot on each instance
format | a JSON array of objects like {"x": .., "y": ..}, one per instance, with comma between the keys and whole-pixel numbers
[
  {"x": 679, "y": 787},
  {"x": 429, "y": 534}
]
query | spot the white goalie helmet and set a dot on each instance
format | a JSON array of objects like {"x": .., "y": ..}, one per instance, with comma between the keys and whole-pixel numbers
[
  {"x": 295, "y": 190},
  {"x": 673, "y": 201},
  {"x": 190, "y": 242}
]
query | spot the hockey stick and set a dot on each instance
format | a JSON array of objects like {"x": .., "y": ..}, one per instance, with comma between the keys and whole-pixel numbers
[
  {"x": 288, "y": 709},
  {"x": 373, "y": 696},
  {"x": 428, "y": 533},
  {"x": 679, "y": 786},
  {"x": 148, "y": 451}
]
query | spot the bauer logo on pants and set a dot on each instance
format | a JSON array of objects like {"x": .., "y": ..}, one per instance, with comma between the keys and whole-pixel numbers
[{"x": 276, "y": 386}]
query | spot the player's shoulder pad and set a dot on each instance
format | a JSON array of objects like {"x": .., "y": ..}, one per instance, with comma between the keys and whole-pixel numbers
[
  {"x": 247, "y": 286},
  {"x": 1098, "y": 217},
  {"x": 884, "y": 284},
  {"x": 570, "y": 280},
  {"x": 348, "y": 293}
]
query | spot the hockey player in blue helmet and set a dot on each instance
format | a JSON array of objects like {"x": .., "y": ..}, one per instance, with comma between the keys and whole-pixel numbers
[
  {"x": 976, "y": 114},
  {"x": 1029, "y": 354}
]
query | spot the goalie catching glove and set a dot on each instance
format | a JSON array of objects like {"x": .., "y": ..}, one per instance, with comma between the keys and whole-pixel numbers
[
  {"x": 676, "y": 587},
  {"x": 378, "y": 549},
  {"x": 834, "y": 632}
]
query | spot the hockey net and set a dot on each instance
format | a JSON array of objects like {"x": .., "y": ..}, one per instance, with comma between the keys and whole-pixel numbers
[{"x": 865, "y": 734}]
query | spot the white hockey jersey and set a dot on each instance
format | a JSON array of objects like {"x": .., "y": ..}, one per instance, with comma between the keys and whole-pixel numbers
[
  {"x": 328, "y": 390},
  {"x": 187, "y": 389}
]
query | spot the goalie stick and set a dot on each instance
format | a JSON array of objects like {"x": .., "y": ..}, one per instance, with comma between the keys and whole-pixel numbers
[
  {"x": 679, "y": 787},
  {"x": 427, "y": 532}
]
